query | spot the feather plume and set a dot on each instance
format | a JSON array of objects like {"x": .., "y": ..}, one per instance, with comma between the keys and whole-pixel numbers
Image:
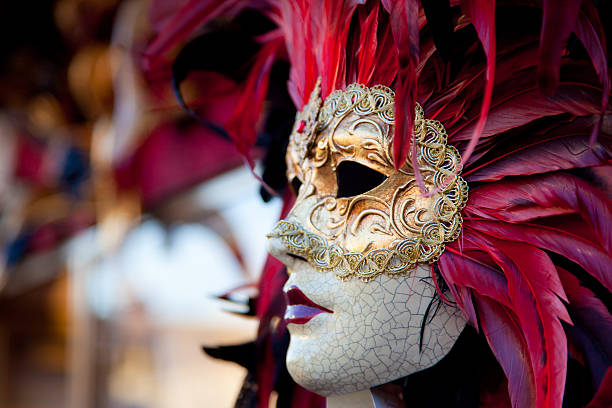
[
  {"x": 589, "y": 31},
  {"x": 559, "y": 18},
  {"x": 589, "y": 256},
  {"x": 518, "y": 103},
  {"x": 592, "y": 329},
  {"x": 241, "y": 125},
  {"x": 404, "y": 25},
  {"x": 482, "y": 14},
  {"x": 535, "y": 291},
  {"x": 547, "y": 154},
  {"x": 529, "y": 198},
  {"x": 365, "y": 46},
  {"x": 504, "y": 335},
  {"x": 465, "y": 269},
  {"x": 187, "y": 19}
]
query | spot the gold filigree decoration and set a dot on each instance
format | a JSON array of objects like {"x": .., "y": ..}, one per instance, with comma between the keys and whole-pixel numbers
[
  {"x": 418, "y": 226},
  {"x": 394, "y": 261},
  {"x": 364, "y": 101},
  {"x": 304, "y": 130}
]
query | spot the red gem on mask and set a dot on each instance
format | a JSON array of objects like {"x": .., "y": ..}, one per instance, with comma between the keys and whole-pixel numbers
[{"x": 301, "y": 126}]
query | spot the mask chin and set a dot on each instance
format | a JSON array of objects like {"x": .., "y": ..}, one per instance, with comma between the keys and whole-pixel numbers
[{"x": 379, "y": 330}]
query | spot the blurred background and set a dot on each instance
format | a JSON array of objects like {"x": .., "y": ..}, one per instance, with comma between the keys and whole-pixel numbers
[{"x": 122, "y": 221}]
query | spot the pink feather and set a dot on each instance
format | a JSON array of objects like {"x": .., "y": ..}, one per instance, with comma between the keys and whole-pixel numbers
[{"x": 504, "y": 335}]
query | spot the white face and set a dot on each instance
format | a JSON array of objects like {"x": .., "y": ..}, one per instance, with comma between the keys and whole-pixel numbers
[{"x": 373, "y": 335}]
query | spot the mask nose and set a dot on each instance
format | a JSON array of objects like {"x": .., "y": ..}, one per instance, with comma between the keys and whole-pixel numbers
[{"x": 278, "y": 249}]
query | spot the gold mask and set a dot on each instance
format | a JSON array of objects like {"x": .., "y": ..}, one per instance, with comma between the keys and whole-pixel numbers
[{"x": 391, "y": 226}]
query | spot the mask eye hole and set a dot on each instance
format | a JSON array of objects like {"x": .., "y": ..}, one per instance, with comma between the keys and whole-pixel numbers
[
  {"x": 355, "y": 178},
  {"x": 295, "y": 186}
]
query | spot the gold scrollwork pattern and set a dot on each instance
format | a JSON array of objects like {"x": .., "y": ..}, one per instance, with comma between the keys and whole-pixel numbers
[
  {"x": 419, "y": 225},
  {"x": 360, "y": 99}
]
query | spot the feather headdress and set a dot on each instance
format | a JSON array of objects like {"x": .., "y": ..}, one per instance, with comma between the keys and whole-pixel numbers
[{"x": 522, "y": 89}]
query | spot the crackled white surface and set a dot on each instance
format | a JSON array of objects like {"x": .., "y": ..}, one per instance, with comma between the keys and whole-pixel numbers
[{"x": 373, "y": 335}]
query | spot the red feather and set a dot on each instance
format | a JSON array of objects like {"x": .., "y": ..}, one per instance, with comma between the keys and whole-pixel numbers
[
  {"x": 535, "y": 291},
  {"x": 294, "y": 20},
  {"x": 519, "y": 102},
  {"x": 463, "y": 268},
  {"x": 575, "y": 248},
  {"x": 464, "y": 91},
  {"x": 404, "y": 25},
  {"x": 591, "y": 334},
  {"x": 482, "y": 14},
  {"x": 386, "y": 55},
  {"x": 558, "y": 21},
  {"x": 242, "y": 125},
  {"x": 551, "y": 153},
  {"x": 365, "y": 52},
  {"x": 590, "y": 33},
  {"x": 603, "y": 398},
  {"x": 187, "y": 19},
  {"x": 504, "y": 335},
  {"x": 330, "y": 26},
  {"x": 529, "y": 198}
]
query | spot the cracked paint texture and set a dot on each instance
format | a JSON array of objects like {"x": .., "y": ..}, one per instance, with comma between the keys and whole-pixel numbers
[{"x": 373, "y": 335}]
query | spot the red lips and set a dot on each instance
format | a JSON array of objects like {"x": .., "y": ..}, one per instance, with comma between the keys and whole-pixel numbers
[{"x": 300, "y": 309}]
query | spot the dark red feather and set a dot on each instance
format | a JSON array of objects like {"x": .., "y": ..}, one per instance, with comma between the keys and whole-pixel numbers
[
  {"x": 591, "y": 333},
  {"x": 589, "y": 256},
  {"x": 524, "y": 199},
  {"x": 242, "y": 125},
  {"x": 482, "y": 14},
  {"x": 589, "y": 31},
  {"x": 463, "y": 268},
  {"x": 518, "y": 103},
  {"x": 187, "y": 19},
  {"x": 558, "y": 21},
  {"x": 505, "y": 337},
  {"x": 365, "y": 54},
  {"x": 535, "y": 291},
  {"x": 603, "y": 398},
  {"x": 551, "y": 153},
  {"x": 403, "y": 16}
]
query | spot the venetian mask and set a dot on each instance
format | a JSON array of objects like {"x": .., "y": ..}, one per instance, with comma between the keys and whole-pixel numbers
[{"x": 359, "y": 242}]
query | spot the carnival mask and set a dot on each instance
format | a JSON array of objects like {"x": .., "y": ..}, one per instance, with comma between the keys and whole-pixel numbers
[{"x": 358, "y": 244}]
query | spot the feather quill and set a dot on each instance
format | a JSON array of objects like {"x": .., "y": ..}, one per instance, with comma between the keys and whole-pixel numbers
[{"x": 403, "y": 16}]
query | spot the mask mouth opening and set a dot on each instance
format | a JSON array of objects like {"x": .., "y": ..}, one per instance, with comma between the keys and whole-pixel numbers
[{"x": 354, "y": 178}]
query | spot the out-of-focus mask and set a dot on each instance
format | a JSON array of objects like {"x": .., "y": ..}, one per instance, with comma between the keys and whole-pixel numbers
[{"x": 359, "y": 240}]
